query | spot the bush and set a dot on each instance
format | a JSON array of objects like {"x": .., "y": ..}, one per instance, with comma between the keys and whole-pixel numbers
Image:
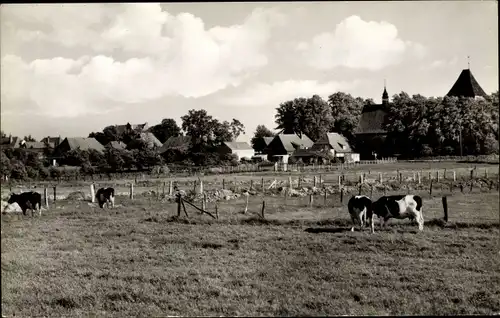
[
  {"x": 55, "y": 173},
  {"x": 32, "y": 172},
  {"x": 19, "y": 171}
]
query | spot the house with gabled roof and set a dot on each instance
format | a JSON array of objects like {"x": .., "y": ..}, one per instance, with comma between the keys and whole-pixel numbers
[
  {"x": 182, "y": 143},
  {"x": 52, "y": 142},
  {"x": 10, "y": 142},
  {"x": 81, "y": 143},
  {"x": 283, "y": 145},
  {"x": 148, "y": 138},
  {"x": 337, "y": 145},
  {"x": 239, "y": 148}
]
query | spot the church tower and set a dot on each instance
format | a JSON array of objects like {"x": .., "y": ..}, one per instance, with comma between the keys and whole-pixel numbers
[{"x": 385, "y": 96}]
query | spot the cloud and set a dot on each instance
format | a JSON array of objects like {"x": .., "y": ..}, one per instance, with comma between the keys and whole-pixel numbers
[
  {"x": 442, "y": 63},
  {"x": 358, "y": 44},
  {"x": 278, "y": 92},
  {"x": 174, "y": 55}
]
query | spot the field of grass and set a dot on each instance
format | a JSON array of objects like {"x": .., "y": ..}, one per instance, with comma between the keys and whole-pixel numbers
[{"x": 139, "y": 259}]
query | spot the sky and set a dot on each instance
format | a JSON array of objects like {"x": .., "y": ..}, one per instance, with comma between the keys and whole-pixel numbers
[{"x": 71, "y": 69}]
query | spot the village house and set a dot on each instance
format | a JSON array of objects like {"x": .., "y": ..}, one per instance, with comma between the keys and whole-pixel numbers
[
  {"x": 182, "y": 143},
  {"x": 337, "y": 145},
  {"x": 10, "y": 142},
  {"x": 121, "y": 129},
  {"x": 283, "y": 146},
  {"x": 239, "y": 148}
]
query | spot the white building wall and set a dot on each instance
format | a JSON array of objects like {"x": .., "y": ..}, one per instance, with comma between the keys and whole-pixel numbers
[{"x": 248, "y": 153}]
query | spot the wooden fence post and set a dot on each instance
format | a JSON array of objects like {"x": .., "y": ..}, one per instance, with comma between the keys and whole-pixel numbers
[
  {"x": 263, "y": 208},
  {"x": 204, "y": 202},
  {"x": 380, "y": 177},
  {"x": 298, "y": 182},
  {"x": 311, "y": 199},
  {"x": 251, "y": 184},
  {"x": 314, "y": 184},
  {"x": 486, "y": 173},
  {"x": 471, "y": 185},
  {"x": 444, "y": 174},
  {"x": 430, "y": 175},
  {"x": 170, "y": 188},
  {"x": 341, "y": 195},
  {"x": 419, "y": 177},
  {"x": 451, "y": 187},
  {"x": 55, "y": 194},
  {"x": 131, "y": 195},
  {"x": 46, "y": 197},
  {"x": 472, "y": 174},
  {"x": 437, "y": 175},
  {"x": 326, "y": 194},
  {"x": 216, "y": 210},
  {"x": 445, "y": 208},
  {"x": 290, "y": 185},
  {"x": 92, "y": 193},
  {"x": 360, "y": 189},
  {"x": 461, "y": 188},
  {"x": 430, "y": 189},
  {"x": 179, "y": 203},
  {"x": 454, "y": 175},
  {"x": 163, "y": 189},
  {"x": 200, "y": 190},
  {"x": 340, "y": 180}
]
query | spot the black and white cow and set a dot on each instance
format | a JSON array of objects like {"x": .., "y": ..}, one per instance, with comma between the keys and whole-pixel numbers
[
  {"x": 27, "y": 200},
  {"x": 398, "y": 207},
  {"x": 105, "y": 195},
  {"x": 359, "y": 207}
]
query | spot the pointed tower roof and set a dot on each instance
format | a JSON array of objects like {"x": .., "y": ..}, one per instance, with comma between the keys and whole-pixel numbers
[{"x": 466, "y": 86}]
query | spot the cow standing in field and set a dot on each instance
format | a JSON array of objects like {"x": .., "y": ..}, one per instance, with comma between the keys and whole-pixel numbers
[
  {"x": 28, "y": 200},
  {"x": 398, "y": 207},
  {"x": 359, "y": 207},
  {"x": 105, "y": 195}
]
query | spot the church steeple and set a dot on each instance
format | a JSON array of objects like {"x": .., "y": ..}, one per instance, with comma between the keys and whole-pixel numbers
[{"x": 385, "y": 96}]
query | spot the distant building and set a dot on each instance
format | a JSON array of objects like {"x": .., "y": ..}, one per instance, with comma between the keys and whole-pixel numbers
[
  {"x": 466, "y": 86},
  {"x": 52, "y": 142},
  {"x": 181, "y": 143},
  {"x": 78, "y": 143},
  {"x": 337, "y": 145},
  {"x": 239, "y": 148},
  {"x": 120, "y": 145},
  {"x": 121, "y": 129},
  {"x": 284, "y": 145},
  {"x": 370, "y": 133},
  {"x": 10, "y": 142}
]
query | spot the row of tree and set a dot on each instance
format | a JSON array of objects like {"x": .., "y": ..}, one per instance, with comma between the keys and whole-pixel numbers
[{"x": 416, "y": 125}]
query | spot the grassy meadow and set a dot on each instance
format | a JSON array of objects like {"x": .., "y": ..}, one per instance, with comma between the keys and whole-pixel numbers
[{"x": 140, "y": 259}]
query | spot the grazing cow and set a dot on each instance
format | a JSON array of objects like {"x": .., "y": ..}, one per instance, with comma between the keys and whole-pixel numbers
[
  {"x": 399, "y": 207},
  {"x": 105, "y": 195},
  {"x": 28, "y": 200},
  {"x": 359, "y": 208}
]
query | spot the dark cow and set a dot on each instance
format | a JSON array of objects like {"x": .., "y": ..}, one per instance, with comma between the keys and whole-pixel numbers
[
  {"x": 359, "y": 207},
  {"x": 28, "y": 200},
  {"x": 105, "y": 195},
  {"x": 398, "y": 207}
]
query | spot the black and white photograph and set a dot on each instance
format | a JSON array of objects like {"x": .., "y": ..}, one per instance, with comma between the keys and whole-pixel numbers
[{"x": 250, "y": 159}]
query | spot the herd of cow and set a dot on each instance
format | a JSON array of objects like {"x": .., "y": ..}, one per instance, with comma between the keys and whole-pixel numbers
[
  {"x": 33, "y": 200},
  {"x": 361, "y": 208}
]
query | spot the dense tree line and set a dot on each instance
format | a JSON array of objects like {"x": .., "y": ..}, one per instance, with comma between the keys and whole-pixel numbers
[{"x": 417, "y": 126}]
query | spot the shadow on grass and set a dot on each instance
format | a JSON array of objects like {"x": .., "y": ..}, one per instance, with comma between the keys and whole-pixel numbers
[{"x": 326, "y": 230}]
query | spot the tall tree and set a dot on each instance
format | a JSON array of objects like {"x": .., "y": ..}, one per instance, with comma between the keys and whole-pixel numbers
[
  {"x": 29, "y": 138},
  {"x": 166, "y": 129},
  {"x": 311, "y": 116},
  {"x": 257, "y": 141},
  {"x": 346, "y": 112}
]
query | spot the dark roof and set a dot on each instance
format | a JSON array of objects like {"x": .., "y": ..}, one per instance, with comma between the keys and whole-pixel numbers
[
  {"x": 176, "y": 142},
  {"x": 466, "y": 86},
  {"x": 310, "y": 153},
  {"x": 238, "y": 145},
  {"x": 53, "y": 141},
  {"x": 84, "y": 144},
  {"x": 372, "y": 119},
  {"x": 120, "y": 129}
]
